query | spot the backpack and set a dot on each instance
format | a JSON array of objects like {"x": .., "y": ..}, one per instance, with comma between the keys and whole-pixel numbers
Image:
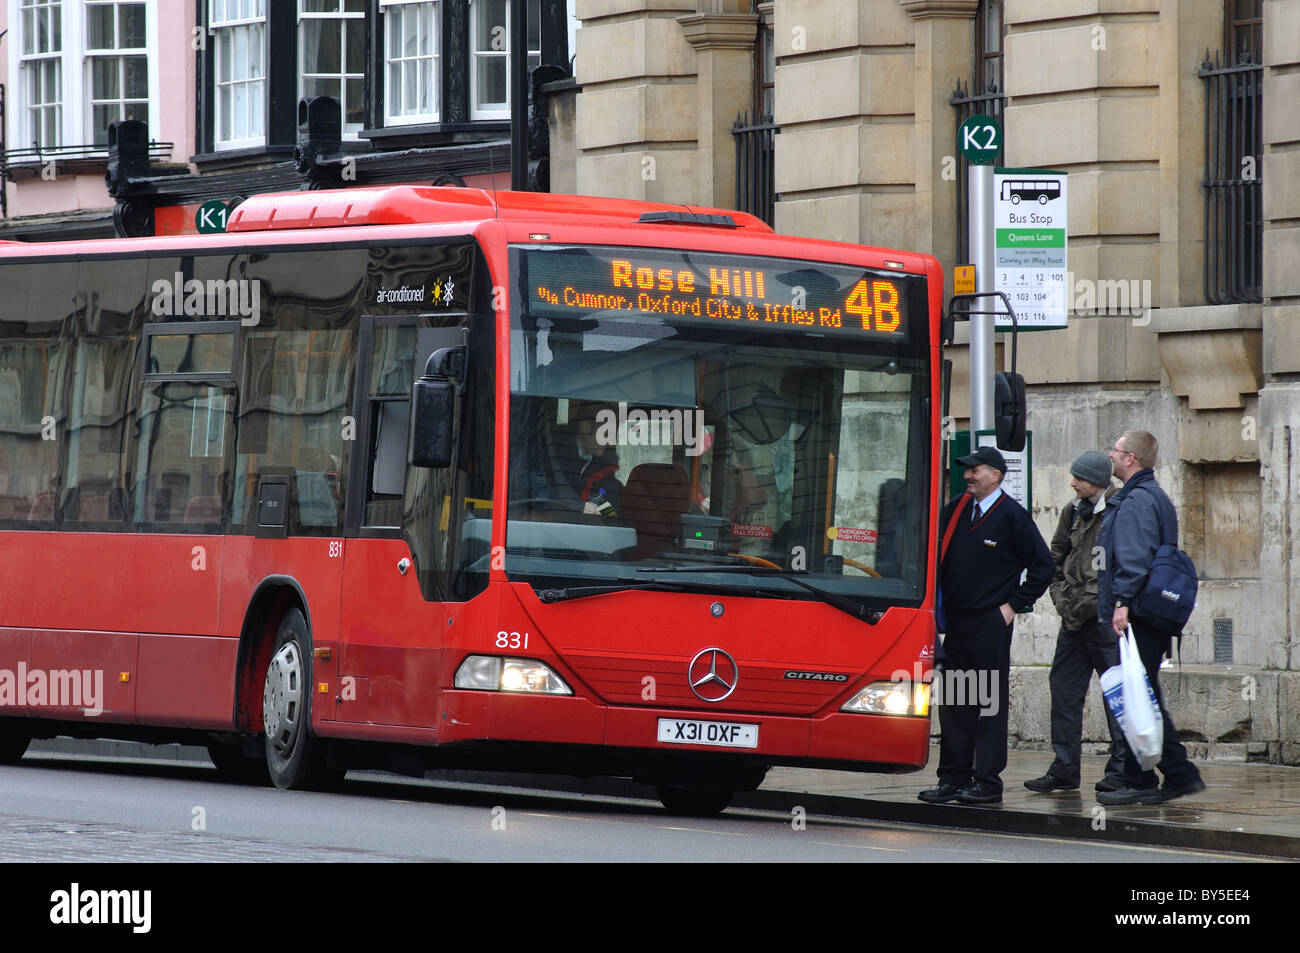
[{"x": 1168, "y": 596}]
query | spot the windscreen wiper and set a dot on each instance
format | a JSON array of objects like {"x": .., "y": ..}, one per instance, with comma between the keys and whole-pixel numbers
[{"x": 859, "y": 610}]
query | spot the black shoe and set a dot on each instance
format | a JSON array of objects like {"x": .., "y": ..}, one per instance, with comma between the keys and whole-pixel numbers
[
  {"x": 979, "y": 793},
  {"x": 1049, "y": 783},
  {"x": 1171, "y": 791},
  {"x": 940, "y": 795},
  {"x": 1108, "y": 784},
  {"x": 1131, "y": 796}
]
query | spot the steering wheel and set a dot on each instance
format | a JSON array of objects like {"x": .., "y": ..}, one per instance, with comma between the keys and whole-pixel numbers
[
  {"x": 757, "y": 561},
  {"x": 863, "y": 566}
]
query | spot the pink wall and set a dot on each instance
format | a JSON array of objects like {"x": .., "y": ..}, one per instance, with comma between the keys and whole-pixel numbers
[
  {"x": 173, "y": 61},
  {"x": 177, "y": 63}
]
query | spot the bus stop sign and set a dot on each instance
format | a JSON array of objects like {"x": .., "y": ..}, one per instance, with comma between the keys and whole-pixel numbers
[{"x": 980, "y": 138}]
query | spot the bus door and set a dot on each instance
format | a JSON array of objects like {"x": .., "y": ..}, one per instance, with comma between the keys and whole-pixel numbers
[
  {"x": 388, "y": 632},
  {"x": 182, "y": 463}
]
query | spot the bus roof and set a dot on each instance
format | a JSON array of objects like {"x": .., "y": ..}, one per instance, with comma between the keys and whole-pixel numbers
[
  {"x": 391, "y": 213},
  {"x": 410, "y": 205}
]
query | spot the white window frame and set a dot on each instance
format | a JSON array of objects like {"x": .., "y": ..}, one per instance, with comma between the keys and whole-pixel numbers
[
  {"x": 349, "y": 130},
  {"x": 118, "y": 53},
  {"x": 257, "y": 85},
  {"x": 386, "y": 7},
  {"x": 26, "y": 78},
  {"x": 74, "y": 81},
  {"x": 498, "y": 110}
]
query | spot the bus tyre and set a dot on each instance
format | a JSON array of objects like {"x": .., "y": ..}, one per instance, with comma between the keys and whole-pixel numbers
[
  {"x": 694, "y": 802},
  {"x": 295, "y": 759},
  {"x": 14, "y": 740}
]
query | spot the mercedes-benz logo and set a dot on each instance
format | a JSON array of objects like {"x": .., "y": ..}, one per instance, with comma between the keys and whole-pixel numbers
[{"x": 712, "y": 675}]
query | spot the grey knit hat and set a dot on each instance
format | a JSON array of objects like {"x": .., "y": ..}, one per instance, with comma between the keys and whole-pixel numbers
[{"x": 1093, "y": 466}]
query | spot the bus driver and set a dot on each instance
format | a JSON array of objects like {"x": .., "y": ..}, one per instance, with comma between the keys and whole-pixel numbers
[{"x": 595, "y": 481}]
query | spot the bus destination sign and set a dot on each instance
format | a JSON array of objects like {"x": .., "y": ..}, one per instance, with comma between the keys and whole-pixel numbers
[{"x": 721, "y": 290}]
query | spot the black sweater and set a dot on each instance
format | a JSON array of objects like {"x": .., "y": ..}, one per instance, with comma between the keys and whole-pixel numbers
[{"x": 984, "y": 561}]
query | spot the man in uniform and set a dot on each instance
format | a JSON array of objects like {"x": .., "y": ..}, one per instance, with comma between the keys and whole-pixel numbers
[
  {"x": 993, "y": 542},
  {"x": 1082, "y": 647}
]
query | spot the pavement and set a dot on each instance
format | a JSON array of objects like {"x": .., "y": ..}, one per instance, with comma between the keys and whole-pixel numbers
[{"x": 1247, "y": 808}]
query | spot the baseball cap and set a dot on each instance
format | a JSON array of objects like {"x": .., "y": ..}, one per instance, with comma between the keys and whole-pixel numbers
[{"x": 986, "y": 455}]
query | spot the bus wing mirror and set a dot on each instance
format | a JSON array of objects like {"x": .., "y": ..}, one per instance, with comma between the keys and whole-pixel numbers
[
  {"x": 433, "y": 409},
  {"x": 1009, "y": 410},
  {"x": 433, "y": 405}
]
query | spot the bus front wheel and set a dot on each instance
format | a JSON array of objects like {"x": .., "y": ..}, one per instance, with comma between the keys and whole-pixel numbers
[
  {"x": 694, "y": 802},
  {"x": 295, "y": 758}
]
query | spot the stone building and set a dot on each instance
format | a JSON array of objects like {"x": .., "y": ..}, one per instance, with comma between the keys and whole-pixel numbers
[{"x": 1178, "y": 122}]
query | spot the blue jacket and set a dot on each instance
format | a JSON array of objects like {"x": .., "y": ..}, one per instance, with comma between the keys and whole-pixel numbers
[{"x": 1130, "y": 535}]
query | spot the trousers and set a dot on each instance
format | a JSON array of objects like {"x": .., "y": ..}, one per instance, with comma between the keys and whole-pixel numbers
[
  {"x": 973, "y": 698},
  {"x": 1174, "y": 764},
  {"x": 1079, "y": 653}
]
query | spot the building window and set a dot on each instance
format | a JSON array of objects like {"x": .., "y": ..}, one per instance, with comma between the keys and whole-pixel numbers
[
  {"x": 1233, "y": 181},
  {"x": 981, "y": 96},
  {"x": 490, "y": 49},
  {"x": 1243, "y": 29},
  {"x": 765, "y": 69},
  {"x": 80, "y": 66},
  {"x": 332, "y": 60},
  {"x": 42, "y": 72},
  {"x": 988, "y": 47},
  {"x": 755, "y": 136},
  {"x": 411, "y": 61},
  {"x": 239, "y": 39},
  {"x": 118, "y": 62}
]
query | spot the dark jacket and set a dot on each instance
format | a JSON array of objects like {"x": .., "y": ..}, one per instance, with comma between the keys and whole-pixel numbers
[
  {"x": 984, "y": 561},
  {"x": 1130, "y": 535},
  {"x": 1074, "y": 588},
  {"x": 597, "y": 477}
]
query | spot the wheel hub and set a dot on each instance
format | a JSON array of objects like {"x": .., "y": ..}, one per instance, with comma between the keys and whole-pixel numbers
[{"x": 282, "y": 697}]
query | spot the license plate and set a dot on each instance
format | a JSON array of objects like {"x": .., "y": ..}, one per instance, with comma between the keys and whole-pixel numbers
[{"x": 722, "y": 733}]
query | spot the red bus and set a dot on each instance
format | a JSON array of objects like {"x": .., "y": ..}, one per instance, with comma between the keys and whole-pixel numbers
[{"x": 436, "y": 477}]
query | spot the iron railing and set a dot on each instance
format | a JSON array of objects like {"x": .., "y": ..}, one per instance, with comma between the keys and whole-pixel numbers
[
  {"x": 38, "y": 154},
  {"x": 756, "y": 166},
  {"x": 991, "y": 103},
  {"x": 1233, "y": 183}
]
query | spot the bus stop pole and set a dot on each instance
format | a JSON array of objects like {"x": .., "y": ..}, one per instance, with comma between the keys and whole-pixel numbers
[{"x": 981, "y": 325}]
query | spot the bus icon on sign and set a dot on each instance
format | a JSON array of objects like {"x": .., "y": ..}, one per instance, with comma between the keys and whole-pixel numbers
[{"x": 1044, "y": 190}]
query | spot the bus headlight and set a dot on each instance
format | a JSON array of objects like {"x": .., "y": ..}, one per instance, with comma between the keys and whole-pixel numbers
[
  {"x": 493, "y": 673},
  {"x": 891, "y": 698}
]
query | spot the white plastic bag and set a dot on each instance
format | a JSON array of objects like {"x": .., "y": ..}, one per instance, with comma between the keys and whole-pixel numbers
[{"x": 1133, "y": 703}]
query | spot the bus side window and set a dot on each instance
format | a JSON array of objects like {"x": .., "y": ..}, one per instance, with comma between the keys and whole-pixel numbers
[
  {"x": 388, "y": 404},
  {"x": 294, "y": 387},
  {"x": 184, "y": 433}
]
